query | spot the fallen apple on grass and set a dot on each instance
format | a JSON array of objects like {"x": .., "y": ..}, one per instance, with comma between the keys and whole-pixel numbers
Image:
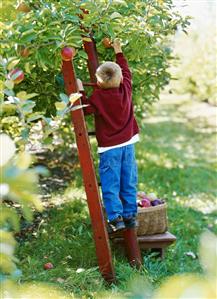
[
  {"x": 16, "y": 75},
  {"x": 48, "y": 266},
  {"x": 68, "y": 53}
]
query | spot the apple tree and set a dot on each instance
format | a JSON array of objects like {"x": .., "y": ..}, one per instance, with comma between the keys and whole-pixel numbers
[{"x": 34, "y": 32}]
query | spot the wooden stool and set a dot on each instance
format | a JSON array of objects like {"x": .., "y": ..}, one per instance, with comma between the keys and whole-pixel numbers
[{"x": 156, "y": 242}]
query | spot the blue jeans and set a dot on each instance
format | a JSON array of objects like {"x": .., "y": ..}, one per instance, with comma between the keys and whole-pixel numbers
[{"x": 118, "y": 175}]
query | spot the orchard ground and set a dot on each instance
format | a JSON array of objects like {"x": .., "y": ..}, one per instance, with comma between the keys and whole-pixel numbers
[{"x": 176, "y": 160}]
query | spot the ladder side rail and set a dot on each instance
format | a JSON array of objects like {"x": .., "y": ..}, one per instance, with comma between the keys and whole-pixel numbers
[{"x": 100, "y": 234}]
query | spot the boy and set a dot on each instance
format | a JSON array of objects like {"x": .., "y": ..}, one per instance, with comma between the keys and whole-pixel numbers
[{"x": 116, "y": 133}]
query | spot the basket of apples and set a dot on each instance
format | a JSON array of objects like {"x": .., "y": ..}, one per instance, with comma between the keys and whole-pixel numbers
[{"x": 152, "y": 214}]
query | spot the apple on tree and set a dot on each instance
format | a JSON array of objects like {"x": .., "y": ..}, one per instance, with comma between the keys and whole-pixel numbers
[
  {"x": 68, "y": 53},
  {"x": 16, "y": 75},
  {"x": 107, "y": 42}
]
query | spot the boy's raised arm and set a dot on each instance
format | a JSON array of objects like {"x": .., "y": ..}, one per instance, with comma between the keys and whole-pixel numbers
[{"x": 122, "y": 61}]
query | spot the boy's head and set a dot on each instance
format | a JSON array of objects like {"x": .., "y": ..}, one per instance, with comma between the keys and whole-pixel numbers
[{"x": 109, "y": 75}]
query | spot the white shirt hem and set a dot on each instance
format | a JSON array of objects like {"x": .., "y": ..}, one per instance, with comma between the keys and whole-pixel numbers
[{"x": 134, "y": 139}]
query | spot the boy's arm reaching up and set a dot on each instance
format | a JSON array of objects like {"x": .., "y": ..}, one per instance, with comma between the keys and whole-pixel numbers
[{"x": 122, "y": 61}]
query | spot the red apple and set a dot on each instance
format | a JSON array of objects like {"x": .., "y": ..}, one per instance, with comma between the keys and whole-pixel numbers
[
  {"x": 67, "y": 53},
  {"x": 145, "y": 203},
  {"x": 16, "y": 75},
  {"x": 107, "y": 42},
  {"x": 48, "y": 266}
]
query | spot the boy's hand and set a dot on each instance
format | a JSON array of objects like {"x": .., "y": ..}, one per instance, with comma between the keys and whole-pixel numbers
[
  {"x": 117, "y": 46},
  {"x": 80, "y": 85}
]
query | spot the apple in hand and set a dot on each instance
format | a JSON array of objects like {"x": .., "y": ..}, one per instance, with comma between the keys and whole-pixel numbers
[
  {"x": 68, "y": 53},
  {"x": 16, "y": 75},
  {"x": 107, "y": 42},
  {"x": 48, "y": 266}
]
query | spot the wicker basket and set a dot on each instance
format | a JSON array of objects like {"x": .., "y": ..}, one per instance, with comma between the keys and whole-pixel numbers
[{"x": 152, "y": 220}]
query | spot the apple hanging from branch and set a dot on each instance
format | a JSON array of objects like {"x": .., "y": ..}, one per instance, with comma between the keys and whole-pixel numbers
[
  {"x": 68, "y": 53},
  {"x": 16, "y": 75},
  {"x": 107, "y": 42}
]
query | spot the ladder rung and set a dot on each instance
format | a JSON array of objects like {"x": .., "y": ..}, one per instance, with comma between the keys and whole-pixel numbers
[
  {"x": 92, "y": 133},
  {"x": 89, "y": 84}
]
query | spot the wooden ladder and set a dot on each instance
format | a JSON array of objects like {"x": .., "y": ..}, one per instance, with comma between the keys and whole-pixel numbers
[{"x": 100, "y": 234}]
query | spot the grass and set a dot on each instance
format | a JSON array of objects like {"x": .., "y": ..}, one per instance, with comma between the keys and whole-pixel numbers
[{"x": 176, "y": 160}]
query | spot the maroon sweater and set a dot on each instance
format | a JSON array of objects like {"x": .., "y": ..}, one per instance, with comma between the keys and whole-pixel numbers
[{"x": 113, "y": 110}]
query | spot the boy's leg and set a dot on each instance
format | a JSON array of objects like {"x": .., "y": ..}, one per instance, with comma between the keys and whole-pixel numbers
[
  {"x": 128, "y": 186},
  {"x": 109, "y": 171}
]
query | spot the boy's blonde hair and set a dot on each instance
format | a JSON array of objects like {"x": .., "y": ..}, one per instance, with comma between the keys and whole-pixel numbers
[{"x": 109, "y": 75}]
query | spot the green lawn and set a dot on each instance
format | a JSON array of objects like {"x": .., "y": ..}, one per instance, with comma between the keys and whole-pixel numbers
[{"x": 176, "y": 157}]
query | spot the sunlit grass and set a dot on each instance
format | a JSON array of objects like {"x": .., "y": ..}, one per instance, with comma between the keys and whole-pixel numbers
[{"x": 177, "y": 162}]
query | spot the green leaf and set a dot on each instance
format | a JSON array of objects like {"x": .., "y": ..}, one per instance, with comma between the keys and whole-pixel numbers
[
  {"x": 9, "y": 215},
  {"x": 83, "y": 54},
  {"x": 87, "y": 39},
  {"x": 12, "y": 64},
  {"x": 25, "y": 133},
  {"x": 41, "y": 170},
  {"x": 27, "y": 67},
  {"x": 60, "y": 105},
  {"x": 9, "y": 84},
  {"x": 120, "y": 2},
  {"x": 34, "y": 117},
  {"x": 27, "y": 106},
  {"x": 28, "y": 36},
  {"x": 23, "y": 160},
  {"x": 64, "y": 98},
  {"x": 115, "y": 15},
  {"x": 9, "y": 92},
  {"x": 22, "y": 95}
]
